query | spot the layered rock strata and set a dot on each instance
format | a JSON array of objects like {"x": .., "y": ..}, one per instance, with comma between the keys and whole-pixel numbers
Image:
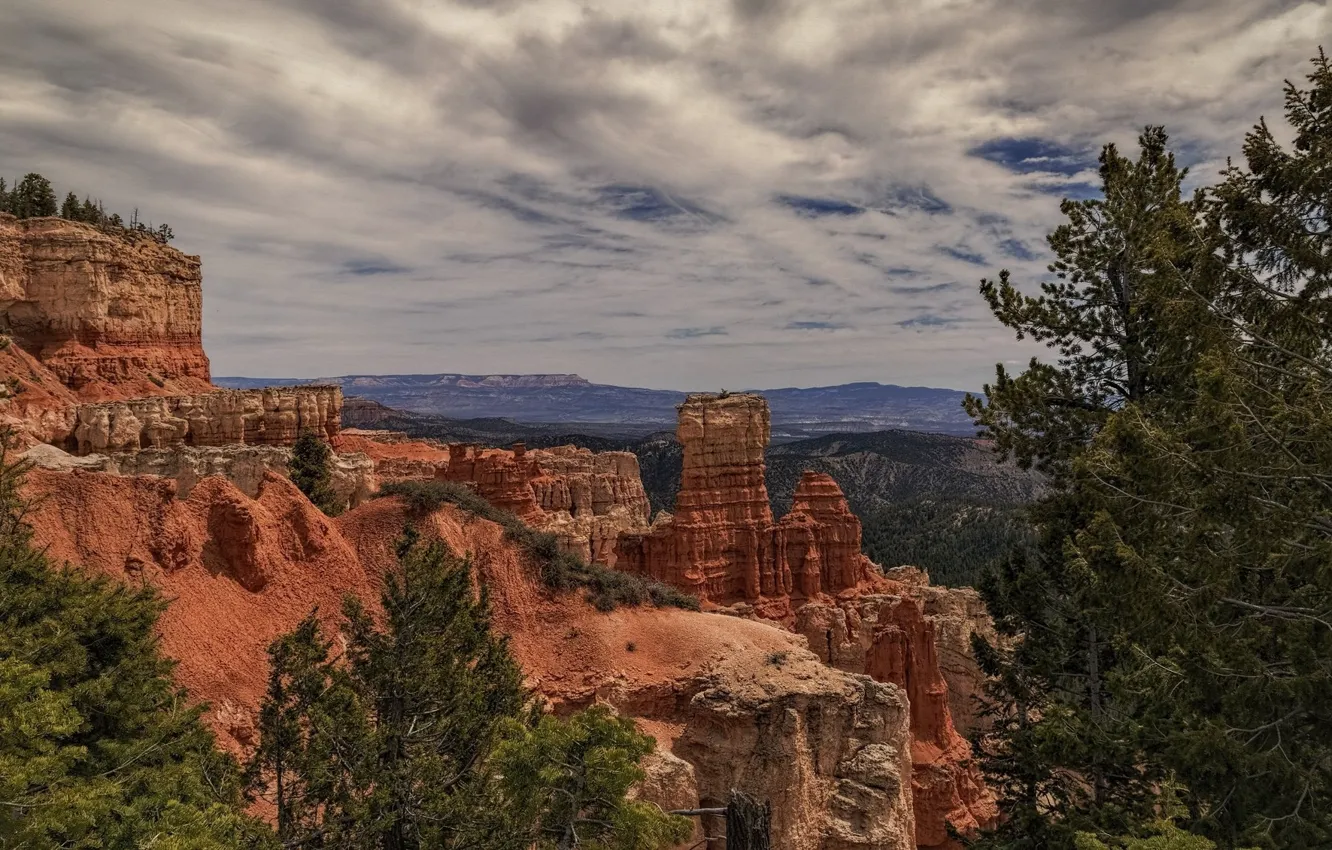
[
  {"x": 587, "y": 499},
  {"x": 353, "y": 475},
  {"x": 807, "y": 572},
  {"x": 274, "y": 416},
  {"x": 108, "y": 316},
  {"x": 722, "y": 544}
]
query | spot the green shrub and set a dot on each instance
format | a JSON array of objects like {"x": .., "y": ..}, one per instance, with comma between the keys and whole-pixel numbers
[{"x": 606, "y": 588}]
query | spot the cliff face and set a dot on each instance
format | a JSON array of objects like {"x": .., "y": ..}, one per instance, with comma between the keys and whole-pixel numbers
[
  {"x": 353, "y": 475},
  {"x": 807, "y": 572},
  {"x": 274, "y": 417},
  {"x": 586, "y": 499},
  {"x": 110, "y": 318}
]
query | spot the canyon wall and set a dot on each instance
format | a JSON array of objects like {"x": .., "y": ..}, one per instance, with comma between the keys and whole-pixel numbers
[
  {"x": 586, "y": 499},
  {"x": 108, "y": 316},
  {"x": 274, "y": 416},
  {"x": 807, "y": 572},
  {"x": 352, "y": 474}
]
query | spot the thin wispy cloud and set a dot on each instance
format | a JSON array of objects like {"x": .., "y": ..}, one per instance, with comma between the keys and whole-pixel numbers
[{"x": 696, "y": 194}]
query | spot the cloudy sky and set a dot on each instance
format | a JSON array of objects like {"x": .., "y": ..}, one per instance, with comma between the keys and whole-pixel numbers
[{"x": 677, "y": 193}]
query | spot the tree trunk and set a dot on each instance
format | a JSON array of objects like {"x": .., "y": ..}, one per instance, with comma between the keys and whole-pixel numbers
[{"x": 748, "y": 823}]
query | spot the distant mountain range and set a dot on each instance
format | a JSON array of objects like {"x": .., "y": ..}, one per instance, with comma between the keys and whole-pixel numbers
[{"x": 596, "y": 408}]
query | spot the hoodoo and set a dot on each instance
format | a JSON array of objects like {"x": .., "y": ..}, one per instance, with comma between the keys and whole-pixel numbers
[{"x": 807, "y": 573}]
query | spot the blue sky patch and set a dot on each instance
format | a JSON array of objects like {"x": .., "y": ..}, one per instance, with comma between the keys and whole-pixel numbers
[
  {"x": 925, "y": 289},
  {"x": 928, "y": 320},
  {"x": 369, "y": 268},
  {"x": 1080, "y": 191},
  {"x": 1033, "y": 155},
  {"x": 815, "y": 207},
  {"x": 695, "y": 333},
  {"x": 917, "y": 198},
  {"x": 963, "y": 254},
  {"x": 816, "y": 326},
  {"x": 645, "y": 203},
  {"x": 1017, "y": 249}
]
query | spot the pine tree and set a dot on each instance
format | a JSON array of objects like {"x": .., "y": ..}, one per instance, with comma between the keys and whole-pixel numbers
[
  {"x": 311, "y": 470},
  {"x": 90, "y": 212},
  {"x": 71, "y": 209},
  {"x": 97, "y": 747},
  {"x": 1215, "y": 508},
  {"x": 33, "y": 197},
  {"x": 4, "y": 196},
  {"x": 1066, "y": 751},
  {"x": 570, "y": 777},
  {"x": 313, "y": 735},
  {"x": 421, "y": 735},
  {"x": 389, "y": 746}
]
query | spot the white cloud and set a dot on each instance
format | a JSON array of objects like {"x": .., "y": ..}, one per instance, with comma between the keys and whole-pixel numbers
[{"x": 538, "y": 185}]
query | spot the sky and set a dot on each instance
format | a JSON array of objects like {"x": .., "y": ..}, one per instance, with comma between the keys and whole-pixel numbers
[{"x": 678, "y": 194}]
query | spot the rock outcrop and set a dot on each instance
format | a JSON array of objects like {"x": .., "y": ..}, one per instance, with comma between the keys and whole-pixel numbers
[
  {"x": 807, "y": 572},
  {"x": 246, "y": 467},
  {"x": 395, "y": 457},
  {"x": 110, "y": 317},
  {"x": 274, "y": 416},
  {"x": 587, "y": 499}
]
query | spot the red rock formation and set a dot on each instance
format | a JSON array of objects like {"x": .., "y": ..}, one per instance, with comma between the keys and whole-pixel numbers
[
  {"x": 395, "y": 457},
  {"x": 500, "y": 477},
  {"x": 722, "y": 544},
  {"x": 110, "y": 317},
  {"x": 586, "y": 499},
  {"x": 818, "y": 542},
  {"x": 589, "y": 499},
  {"x": 731, "y": 702},
  {"x": 807, "y": 572}
]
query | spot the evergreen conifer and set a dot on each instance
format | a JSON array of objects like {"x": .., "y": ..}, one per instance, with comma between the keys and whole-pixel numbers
[
  {"x": 311, "y": 470},
  {"x": 98, "y": 748}
]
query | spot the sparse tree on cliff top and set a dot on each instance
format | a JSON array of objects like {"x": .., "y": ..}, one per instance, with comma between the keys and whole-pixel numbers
[
  {"x": 33, "y": 197},
  {"x": 71, "y": 209},
  {"x": 311, "y": 470},
  {"x": 98, "y": 748}
]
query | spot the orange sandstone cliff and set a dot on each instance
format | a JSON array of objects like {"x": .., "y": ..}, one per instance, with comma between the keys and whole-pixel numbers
[
  {"x": 107, "y": 316},
  {"x": 822, "y": 685}
]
